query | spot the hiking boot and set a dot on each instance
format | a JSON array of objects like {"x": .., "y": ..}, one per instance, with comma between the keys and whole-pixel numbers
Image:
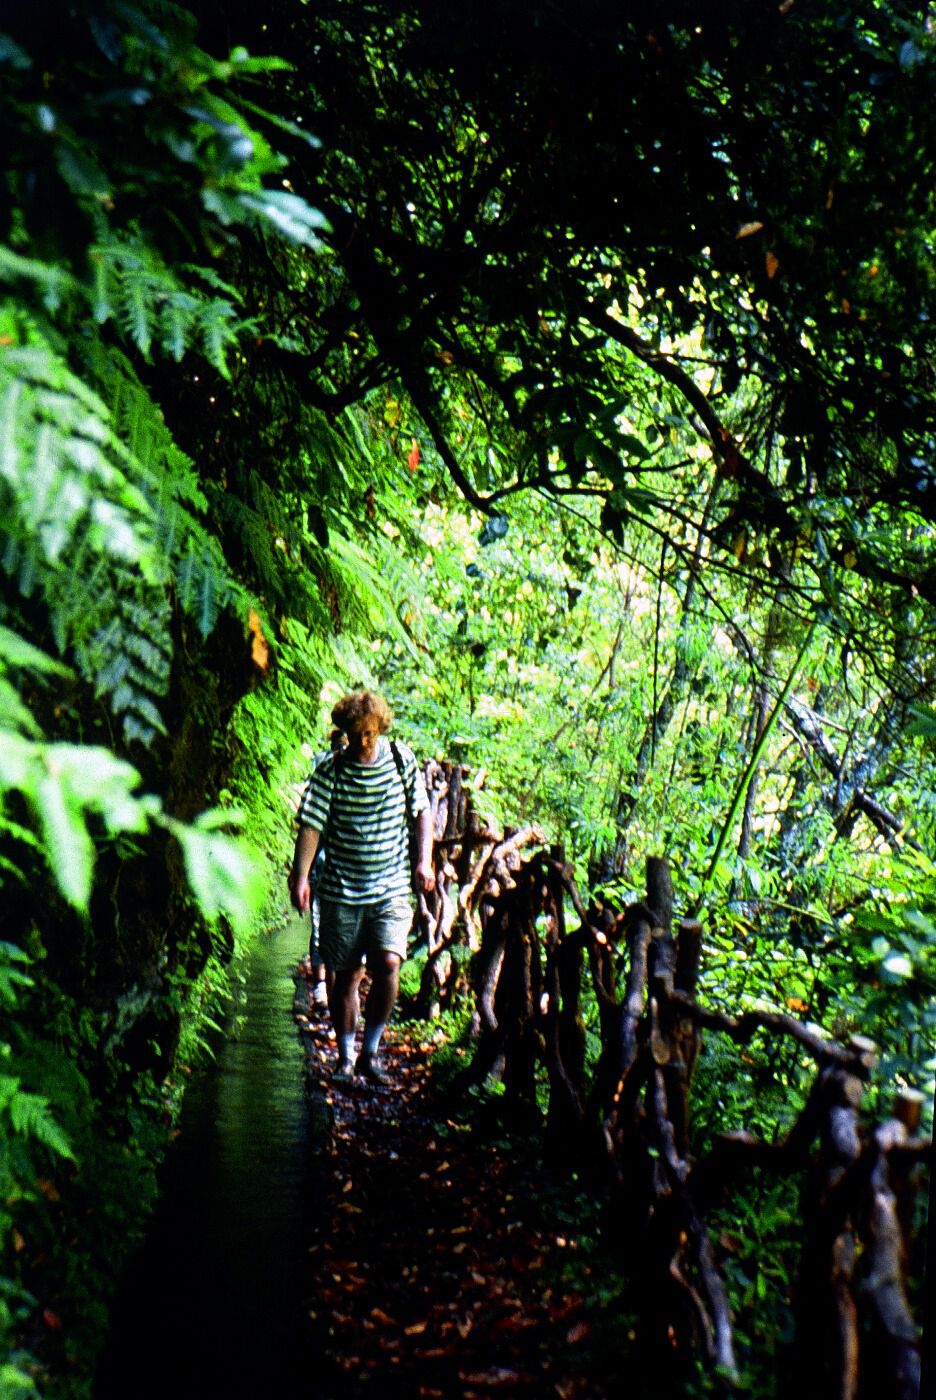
[
  {"x": 370, "y": 1067},
  {"x": 344, "y": 1072}
]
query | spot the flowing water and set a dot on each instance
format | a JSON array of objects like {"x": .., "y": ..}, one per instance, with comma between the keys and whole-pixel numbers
[{"x": 215, "y": 1302}]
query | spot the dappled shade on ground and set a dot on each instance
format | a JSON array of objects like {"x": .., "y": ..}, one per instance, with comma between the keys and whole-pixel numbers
[{"x": 443, "y": 1265}]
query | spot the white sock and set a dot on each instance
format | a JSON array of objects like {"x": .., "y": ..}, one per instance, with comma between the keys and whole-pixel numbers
[
  {"x": 346, "y": 1046},
  {"x": 372, "y": 1036}
]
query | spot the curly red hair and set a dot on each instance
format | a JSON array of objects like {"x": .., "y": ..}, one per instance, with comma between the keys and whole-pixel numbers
[{"x": 360, "y": 705}]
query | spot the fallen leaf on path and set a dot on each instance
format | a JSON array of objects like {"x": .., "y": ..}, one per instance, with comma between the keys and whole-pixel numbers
[
  {"x": 499, "y": 1376},
  {"x": 516, "y": 1322}
]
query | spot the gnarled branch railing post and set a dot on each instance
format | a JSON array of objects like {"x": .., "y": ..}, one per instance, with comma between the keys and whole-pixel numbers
[{"x": 629, "y": 1122}]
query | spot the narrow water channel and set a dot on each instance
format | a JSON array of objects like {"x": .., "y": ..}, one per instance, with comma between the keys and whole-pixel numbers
[{"x": 215, "y": 1302}]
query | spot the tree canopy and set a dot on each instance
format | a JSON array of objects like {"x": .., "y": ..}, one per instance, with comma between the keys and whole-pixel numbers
[{"x": 678, "y": 256}]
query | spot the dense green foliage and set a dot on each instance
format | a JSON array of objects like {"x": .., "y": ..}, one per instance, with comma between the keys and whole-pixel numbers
[{"x": 565, "y": 371}]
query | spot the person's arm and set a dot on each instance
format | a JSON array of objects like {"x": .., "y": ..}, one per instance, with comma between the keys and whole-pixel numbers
[
  {"x": 306, "y": 846},
  {"x": 425, "y": 875}
]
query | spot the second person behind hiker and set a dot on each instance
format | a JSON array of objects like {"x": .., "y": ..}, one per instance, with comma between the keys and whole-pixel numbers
[
  {"x": 363, "y": 801},
  {"x": 321, "y": 979}
]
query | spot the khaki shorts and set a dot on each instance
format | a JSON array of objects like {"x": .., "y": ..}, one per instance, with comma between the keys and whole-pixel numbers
[{"x": 346, "y": 931}]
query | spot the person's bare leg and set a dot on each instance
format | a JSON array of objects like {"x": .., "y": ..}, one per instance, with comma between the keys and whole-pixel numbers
[
  {"x": 344, "y": 1001},
  {"x": 319, "y": 986},
  {"x": 381, "y": 998},
  {"x": 385, "y": 984},
  {"x": 345, "y": 1007}
]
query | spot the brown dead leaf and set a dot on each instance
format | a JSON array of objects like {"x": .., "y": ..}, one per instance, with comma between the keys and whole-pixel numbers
[
  {"x": 578, "y": 1333},
  {"x": 383, "y": 1318},
  {"x": 514, "y": 1322},
  {"x": 259, "y": 649},
  {"x": 498, "y": 1376}
]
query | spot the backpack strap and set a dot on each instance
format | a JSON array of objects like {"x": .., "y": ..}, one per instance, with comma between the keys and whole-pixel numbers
[
  {"x": 340, "y": 759},
  {"x": 398, "y": 760}
]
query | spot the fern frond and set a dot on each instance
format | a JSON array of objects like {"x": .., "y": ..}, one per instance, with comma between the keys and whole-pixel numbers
[
  {"x": 203, "y": 584},
  {"x": 179, "y": 312},
  {"x": 136, "y": 307},
  {"x": 104, "y": 289},
  {"x": 94, "y": 500},
  {"x": 54, "y": 283},
  {"x": 218, "y": 329},
  {"x": 367, "y": 592},
  {"x": 31, "y": 1117},
  {"x": 132, "y": 285},
  {"x": 211, "y": 279}
]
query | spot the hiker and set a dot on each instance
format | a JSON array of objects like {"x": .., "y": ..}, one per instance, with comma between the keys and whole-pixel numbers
[
  {"x": 365, "y": 800},
  {"x": 321, "y": 979}
]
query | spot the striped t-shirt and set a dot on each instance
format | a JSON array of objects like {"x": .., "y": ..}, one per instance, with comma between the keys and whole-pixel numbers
[{"x": 363, "y": 807}]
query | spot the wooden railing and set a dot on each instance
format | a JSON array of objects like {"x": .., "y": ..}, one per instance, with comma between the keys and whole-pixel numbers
[{"x": 629, "y": 1116}]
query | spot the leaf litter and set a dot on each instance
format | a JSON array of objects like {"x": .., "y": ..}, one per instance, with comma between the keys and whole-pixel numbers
[{"x": 433, "y": 1268}]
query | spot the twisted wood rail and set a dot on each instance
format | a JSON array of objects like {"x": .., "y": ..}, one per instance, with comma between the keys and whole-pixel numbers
[{"x": 504, "y": 898}]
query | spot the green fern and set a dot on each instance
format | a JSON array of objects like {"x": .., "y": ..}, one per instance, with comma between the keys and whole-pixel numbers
[
  {"x": 178, "y": 314},
  {"x": 53, "y": 283},
  {"x": 203, "y": 584},
  {"x": 97, "y": 508},
  {"x": 133, "y": 286},
  {"x": 218, "y": 331},
  {"x": 29, "y": 1117},
  {"x": 73, "y": 791},
  {"x": 12, "y": 975},
  {"x": 369, "y": 587}
]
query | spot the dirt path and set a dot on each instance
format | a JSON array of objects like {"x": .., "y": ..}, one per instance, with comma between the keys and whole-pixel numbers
[{"x": 441, "y": 1265}]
